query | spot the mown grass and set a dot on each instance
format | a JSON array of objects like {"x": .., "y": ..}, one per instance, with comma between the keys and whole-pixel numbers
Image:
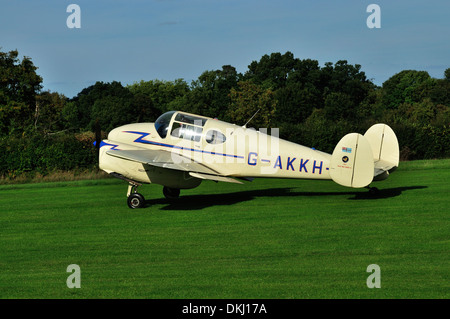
[{"x": 265, "y": 239}]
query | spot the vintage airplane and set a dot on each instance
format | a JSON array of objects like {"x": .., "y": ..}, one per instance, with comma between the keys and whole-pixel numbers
[{"x": 180, "y": 150}]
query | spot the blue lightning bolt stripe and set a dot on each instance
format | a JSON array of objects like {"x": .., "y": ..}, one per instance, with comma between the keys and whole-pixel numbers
[
  {"x": 114, "y": 146},
  {"x": 142, "y": 140}
]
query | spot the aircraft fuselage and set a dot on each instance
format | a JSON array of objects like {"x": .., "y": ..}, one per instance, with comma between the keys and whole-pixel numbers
[{"x": 225, "y": 148}]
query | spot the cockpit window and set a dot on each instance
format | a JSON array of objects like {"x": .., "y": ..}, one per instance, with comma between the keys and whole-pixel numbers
[
  {"x": 187, "y": 132},
  {"x": 190, "y": 119},
  {"x": 162, "y": 123},
  {"x": 215, "y": 137},
  {"x": 188, "y": 127}
]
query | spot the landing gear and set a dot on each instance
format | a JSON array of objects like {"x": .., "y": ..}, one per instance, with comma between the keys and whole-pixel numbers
[
  {"x": 135, "y": 200},
  {"x": 171, "y": 193}
]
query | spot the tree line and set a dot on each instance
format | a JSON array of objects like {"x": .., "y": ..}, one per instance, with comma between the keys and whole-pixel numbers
[{"x": 312, "y": 105}]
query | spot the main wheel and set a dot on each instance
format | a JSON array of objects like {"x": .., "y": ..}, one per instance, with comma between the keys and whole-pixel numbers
[
  {"x": 136, "y": 200},
  {"x": 171, "y": 193}
]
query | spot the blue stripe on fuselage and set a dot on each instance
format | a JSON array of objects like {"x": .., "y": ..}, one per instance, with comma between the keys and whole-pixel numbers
[
  {"x": 143, "y": 141},
  {"x": 114, "y": 146}
]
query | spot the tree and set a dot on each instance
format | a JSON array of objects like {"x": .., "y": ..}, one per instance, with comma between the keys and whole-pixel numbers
[
  {"x": 48, "y": 112},
  {"x": 78, "y": 112},
  {"x": 19, "y": 85},
  {"x": 301, "y": 94},
  {"x": 400, "y": 87},
  {"x": 161, "y": 93},
  {"x": 339, "y": 106},
  {"x": 447, "y": 74},
  {"x": 247, "y": 99},
  {"x": 296, "y": 102},
  {"x": 14, "y": 118},
  {"x": 142, "y": 105},
  {"x": 305, "y": 72},
  {"x": 110, "y": 112},
  {"x": 210, "y": 94},
  {"x": 346, "y": 79},
  {"x": 440, "y": 92},
  {"x": 272, "y": 71},
  {"x": 18, "y": 79}
]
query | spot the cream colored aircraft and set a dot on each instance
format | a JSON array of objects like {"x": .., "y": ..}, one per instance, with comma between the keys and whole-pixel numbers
[{"x": 180, "y": 150}]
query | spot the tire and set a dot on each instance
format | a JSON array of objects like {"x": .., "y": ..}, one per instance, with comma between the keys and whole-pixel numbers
[
  {"x": 136, "y": 200},
  {"x": 171, "y": 193}
]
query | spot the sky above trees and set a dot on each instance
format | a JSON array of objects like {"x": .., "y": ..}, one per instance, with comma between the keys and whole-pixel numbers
[{"x": 135, "y": 40}]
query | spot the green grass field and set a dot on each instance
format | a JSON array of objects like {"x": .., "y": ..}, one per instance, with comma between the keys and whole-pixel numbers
[{"x": 265, "y": 239}]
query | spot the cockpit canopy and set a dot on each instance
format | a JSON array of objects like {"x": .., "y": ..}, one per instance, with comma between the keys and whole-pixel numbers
[
  {"x": 187, "y": 126},
  {"x": 162, "y": 123},
  {"x": 181, "y": 120}
]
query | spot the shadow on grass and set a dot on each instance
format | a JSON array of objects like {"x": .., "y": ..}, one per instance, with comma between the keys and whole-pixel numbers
[
  {"x": 195, "y": 202},
  {"x": 385, "y": 193}
]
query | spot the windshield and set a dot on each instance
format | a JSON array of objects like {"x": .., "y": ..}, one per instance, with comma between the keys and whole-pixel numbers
[{"x": 162, "y": 123}]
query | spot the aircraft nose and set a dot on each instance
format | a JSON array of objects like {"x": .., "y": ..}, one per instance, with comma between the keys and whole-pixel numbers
[{"x": 114, "y": 134}]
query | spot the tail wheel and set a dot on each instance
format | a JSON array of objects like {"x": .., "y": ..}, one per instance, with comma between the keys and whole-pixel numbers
[
  {"x": 171, "y": 193},
  {"x": 136, "y": 200}
]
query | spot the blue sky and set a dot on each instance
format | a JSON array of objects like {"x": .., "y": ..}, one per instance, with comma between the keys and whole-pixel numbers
[{"x": 135, "y": 40}]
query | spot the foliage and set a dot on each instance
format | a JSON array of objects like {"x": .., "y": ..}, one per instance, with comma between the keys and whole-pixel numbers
[
  {"x": 211, "y": 93},
  {"x": 447, "y": 74},
  {"x": 401, "y": 87},
  {"x": 160, "y": 93},
  {"x": 19, "y": 85},
  {"x": 44, "y": 154},
  {"x": 48, "y": 115},
  {"x": 311, "y": 104},
  {"x": 248, "y": 99},
  {"x": 94, "y": 105}
]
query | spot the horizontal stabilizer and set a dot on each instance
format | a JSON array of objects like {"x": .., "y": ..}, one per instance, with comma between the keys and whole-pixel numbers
[
  {"x": 384, "y": 146},
  {"x": 352, "y": 161}
]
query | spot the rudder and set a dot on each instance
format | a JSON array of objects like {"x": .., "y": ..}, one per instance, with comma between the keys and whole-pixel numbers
[
  {"x": 384, "y": 145},
  {"x": 352, "y": 162}
]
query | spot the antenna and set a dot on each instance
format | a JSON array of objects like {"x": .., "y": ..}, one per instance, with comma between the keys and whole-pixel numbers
[{"x": 245, "y": 125}]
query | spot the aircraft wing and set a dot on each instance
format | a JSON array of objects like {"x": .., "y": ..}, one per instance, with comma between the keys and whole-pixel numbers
[
  {"x": 170, "y": 160},
  {"x": 215, "y": 178}
]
